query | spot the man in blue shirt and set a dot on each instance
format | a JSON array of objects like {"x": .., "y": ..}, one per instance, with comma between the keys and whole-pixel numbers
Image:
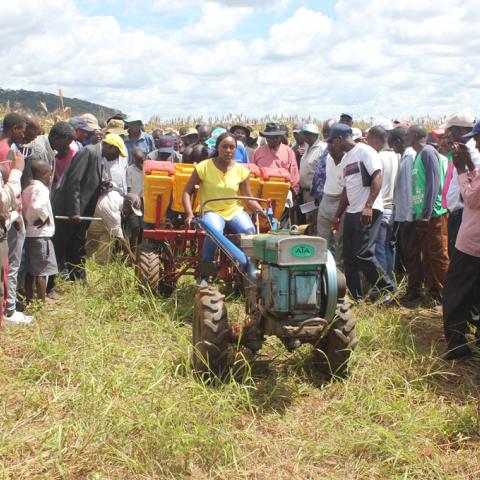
[{"x": 137, "y": 138}]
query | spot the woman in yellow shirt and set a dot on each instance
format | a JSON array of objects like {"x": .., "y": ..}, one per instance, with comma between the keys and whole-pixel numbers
[{"x": 221, "y": 176}]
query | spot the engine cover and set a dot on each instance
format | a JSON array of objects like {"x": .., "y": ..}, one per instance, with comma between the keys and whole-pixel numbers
[
  {"x": 291, "y": 292},
  {"x": 290, "y": 250}
]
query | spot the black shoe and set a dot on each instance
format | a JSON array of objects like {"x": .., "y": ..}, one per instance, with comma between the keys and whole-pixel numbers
[
  {"x": 411, "y": 299},
  {"x": 459, "y": 353}
]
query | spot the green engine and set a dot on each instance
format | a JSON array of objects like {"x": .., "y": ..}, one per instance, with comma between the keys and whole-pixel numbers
[{"x": 297, "y": 277}]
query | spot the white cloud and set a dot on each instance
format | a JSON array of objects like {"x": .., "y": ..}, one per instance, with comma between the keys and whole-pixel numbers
[
  {"x": 175, "y": 5},
  {"x": 395, "y": 58},
  {"x": 216, "y": 20}
]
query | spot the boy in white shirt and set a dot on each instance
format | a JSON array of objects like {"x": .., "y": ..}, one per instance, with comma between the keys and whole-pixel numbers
[{"x": 40, "y": 228}]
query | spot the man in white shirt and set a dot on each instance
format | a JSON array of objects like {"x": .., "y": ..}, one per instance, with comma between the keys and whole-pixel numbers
[
  {"x": 362, "y": 199},
  {"x": 111, "y": 208},
  {"x": 308, "y": 165},
  {"x": 377, "y": 138}
]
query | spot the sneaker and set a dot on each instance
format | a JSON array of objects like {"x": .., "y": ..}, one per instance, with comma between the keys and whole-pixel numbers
[
  {"x": 387, "y": 299},
  {"x": 18, "y": 318},
  {"x": 201, "y": 283}
]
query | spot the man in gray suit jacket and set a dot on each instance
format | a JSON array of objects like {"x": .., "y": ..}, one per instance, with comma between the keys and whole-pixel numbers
[{"x": 76, "y": 196}]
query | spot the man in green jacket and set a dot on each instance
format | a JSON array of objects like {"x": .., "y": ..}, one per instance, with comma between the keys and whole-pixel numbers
[{"x": 428, "y": 175}]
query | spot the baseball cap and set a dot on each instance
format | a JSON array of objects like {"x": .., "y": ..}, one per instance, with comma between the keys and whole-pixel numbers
[
  {"x": 474, "y": 132},
  {"x": 438, "y": 132},
  {"x": 339, "y": 130},
  {"x": 190, "y": 131},
  {"x": 346, "y": 115},
  {"x": 310, "y": 128},
  {"x": 116, "y": 141},
  {"x": 165, "y": 144},
  {"x": 212, "y": 141},
  {"x": 81, "y": 124},
  {"x": 459, "y": 119},
  {"x": 356, "y": 133}
]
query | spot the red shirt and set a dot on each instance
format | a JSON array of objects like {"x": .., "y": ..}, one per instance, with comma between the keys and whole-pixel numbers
[
  {"x": 4, "y": 149},
  {"x": 281, "y": 157},
  {"x": 61, "y": 163}
]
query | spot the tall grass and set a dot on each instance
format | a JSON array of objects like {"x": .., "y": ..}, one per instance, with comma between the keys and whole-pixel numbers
[{"x": 100, "y": 387}]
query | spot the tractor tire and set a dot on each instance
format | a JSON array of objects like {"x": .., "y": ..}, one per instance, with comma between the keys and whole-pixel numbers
[
  {"x": 332, "y": 352},
  {"x": 210, "y": 333},
  {"x": 147, "y": 267}
]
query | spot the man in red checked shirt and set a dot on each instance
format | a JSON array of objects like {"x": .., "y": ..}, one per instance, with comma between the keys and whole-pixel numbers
[{"x": 461, "y": 295}]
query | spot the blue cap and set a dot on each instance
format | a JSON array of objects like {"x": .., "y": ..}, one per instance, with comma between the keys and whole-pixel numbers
[
  {"x": 165, "y": 144},
  {"x": 475, "y": 131},
  {"x": 339, "y": 130}
]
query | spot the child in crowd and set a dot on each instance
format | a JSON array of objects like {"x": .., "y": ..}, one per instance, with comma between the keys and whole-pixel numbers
[
  {"x": 135, "y": 186},
  {"x": 40, "y": 227}
]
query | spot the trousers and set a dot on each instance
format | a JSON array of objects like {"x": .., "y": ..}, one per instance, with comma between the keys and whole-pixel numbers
[
  {"x": 3, "y": 266},
  {"x": 311, "y": 217},
  {"x": 359, "y": 254},
  {"x": 16, "y": 240},
  {"x": 433, "y": 237},
  {"x": 454, "y": 222},
  {"x": 99, "y": 243},
  {"x": 383, "y": 248},
  {"x": 326, "y": 211},
  {"x": 412, "y": 257},
  {"x": 69, "y": 243},
  {"x": 462, "y": 290},
  {"x": 240, "y": 223}
]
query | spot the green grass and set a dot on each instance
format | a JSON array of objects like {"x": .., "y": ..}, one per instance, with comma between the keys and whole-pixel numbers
[{"x": 100, "y": 387}]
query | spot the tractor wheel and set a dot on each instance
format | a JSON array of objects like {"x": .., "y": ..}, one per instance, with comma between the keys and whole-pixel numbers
[
  {"x": 211, "y": 333},
  {"x": 166, "y": 286},
  {"x": 332, "y": 352},
  {"x": 147, "y": 267}
]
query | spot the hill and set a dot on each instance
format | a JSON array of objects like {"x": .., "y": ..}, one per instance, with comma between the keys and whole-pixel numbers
[{"x": 28, "y": 100}]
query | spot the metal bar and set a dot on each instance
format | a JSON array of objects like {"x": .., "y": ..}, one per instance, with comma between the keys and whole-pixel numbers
[{"x": 89, "y": 219}]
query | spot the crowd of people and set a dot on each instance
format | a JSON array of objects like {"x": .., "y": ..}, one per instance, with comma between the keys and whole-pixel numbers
[{"x": 395, "y": 202}]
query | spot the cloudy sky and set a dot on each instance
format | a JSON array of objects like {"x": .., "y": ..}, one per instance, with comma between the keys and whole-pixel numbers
[{"x": 301, "y": 57}]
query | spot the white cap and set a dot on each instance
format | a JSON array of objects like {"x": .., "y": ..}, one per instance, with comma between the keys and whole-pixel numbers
[
  {"x": 459, "y": 119},
  {"x": 311, "y": 128},
  {"x": 383, "y": 122},
  {"x": 356, "y": 133}
]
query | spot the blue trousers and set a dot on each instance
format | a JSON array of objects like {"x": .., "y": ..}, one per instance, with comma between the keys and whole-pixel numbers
[
  {"x": 240, "y": 223},
  {"x": 383, "y": 247},
  {"x": 359, "y": 254}
]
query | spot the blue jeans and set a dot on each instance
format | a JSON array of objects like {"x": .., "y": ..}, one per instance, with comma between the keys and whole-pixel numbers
[
  {"x": 359, "y": 255},
  {"x": 383, "y": 246},
  {"x": 240, "y": 223}
]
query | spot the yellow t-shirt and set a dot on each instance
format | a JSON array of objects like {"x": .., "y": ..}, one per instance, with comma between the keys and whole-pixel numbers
[{"x": 215, "y": 184}]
